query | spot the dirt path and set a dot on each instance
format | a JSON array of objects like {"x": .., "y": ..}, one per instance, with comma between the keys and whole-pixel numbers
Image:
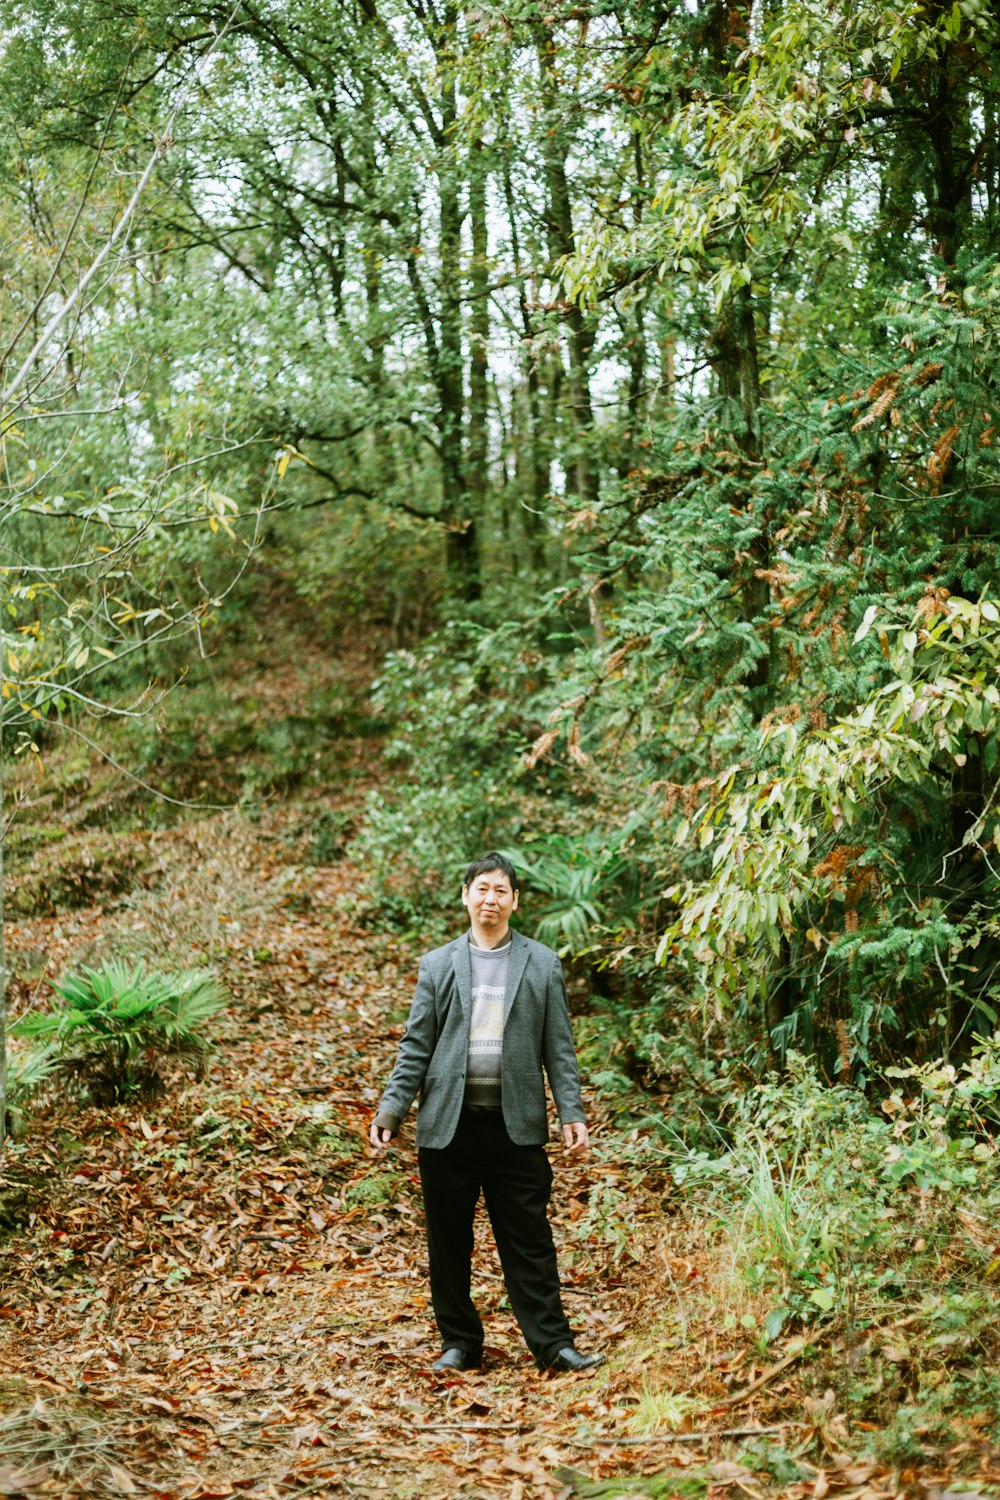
[{"x": 221, "y": 1292}]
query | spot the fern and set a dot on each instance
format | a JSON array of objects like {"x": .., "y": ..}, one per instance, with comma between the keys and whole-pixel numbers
[
  {"x": 27, "y": 1070},
  {"x": 117, "y": 1022}
]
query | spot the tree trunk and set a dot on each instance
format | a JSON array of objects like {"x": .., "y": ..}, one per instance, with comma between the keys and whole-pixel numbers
[
  {"x": 582, "y": 471},
  {"x": 532, "y": 457},
  {"x": 634, "y": 331},
  {"x": 463, "y": 541},
  {"x": 949, "y": 191},
  {"x": 477, "y": 450},
  {"x": 738, "y": 372}
]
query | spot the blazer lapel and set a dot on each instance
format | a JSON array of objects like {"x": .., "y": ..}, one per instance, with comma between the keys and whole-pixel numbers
[
  {"x": 462, "y": 963},
  {"x": 516, "y": 966}
]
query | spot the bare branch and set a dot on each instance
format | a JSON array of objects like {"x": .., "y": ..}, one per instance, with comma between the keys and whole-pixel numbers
[{"x": 119, "y": 232}]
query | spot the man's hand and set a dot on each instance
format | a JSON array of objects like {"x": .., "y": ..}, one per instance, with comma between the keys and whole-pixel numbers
[
  {"x": 576, "y": 1137},
  {"x": 380, "y": 1136}
]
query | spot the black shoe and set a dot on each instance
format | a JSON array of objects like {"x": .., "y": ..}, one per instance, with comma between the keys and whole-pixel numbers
[
  {"x": 569, "y": 1358},
  {"x": 456, "y": 1359}
]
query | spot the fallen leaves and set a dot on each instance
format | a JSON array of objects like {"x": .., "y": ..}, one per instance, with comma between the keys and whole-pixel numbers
[
  {"x": 222, "y": 1294},
  {"x": 237, "y": 1286}
]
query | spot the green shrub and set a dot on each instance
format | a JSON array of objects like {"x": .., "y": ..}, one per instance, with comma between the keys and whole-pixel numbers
[
  {"x": 115, "y": 1025},
  {"x": 581, "y": 885},
  {"x": 850, "y": 900},
  {"x": 818, "y": 1190},
  {"x": 374, "y": 1189},
  {"x": 463, "y": 710},
  {"x": 27, "y": 1069}
]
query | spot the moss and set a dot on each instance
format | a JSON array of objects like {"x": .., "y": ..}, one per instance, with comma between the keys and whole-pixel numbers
[
  {"x": 377, "y": 1187},
  {"x": 79, "y": 871},
  {"x": 681, "y": 1483},
  {"x": 25, "y": 842}
]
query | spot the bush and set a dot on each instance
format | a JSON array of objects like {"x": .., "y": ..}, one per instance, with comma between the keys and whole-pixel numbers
[
  {"x": 462, "y": 710},
  {"x": 588, "y": 884},
  {"x": 27, "y": 1069},
  {"x": 850, "y": 900},
  {"x": 115, "y": 1025},
  {"x": 821, "y": 1192}
]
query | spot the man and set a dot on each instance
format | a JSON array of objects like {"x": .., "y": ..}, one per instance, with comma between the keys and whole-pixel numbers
[{"x": 488, "y": 1014}]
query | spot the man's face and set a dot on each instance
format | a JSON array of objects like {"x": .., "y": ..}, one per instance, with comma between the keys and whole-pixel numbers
[{"x": 489, "y": 900}]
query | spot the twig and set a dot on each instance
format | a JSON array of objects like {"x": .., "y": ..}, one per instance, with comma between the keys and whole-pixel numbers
[
  {"x": 138, "y": 781},
  {"x": 473, "y": 1427},
  {"x": 769, "y": 1375},
  {"x": 112, "y": 1315},
  {"x": 687, "y": 1437}
]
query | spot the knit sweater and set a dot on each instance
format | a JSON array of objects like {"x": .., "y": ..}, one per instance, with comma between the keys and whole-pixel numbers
[{"x": 489, "y": 984}]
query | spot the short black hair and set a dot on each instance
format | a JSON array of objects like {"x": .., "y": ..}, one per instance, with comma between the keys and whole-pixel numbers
[{"x": 491, "y": 861}]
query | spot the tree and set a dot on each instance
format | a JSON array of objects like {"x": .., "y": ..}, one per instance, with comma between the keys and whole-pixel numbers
[{"x": 82, "y": 572}]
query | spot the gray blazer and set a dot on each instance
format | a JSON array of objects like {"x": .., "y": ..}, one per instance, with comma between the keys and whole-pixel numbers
[{"x": 435, "y": 1047}]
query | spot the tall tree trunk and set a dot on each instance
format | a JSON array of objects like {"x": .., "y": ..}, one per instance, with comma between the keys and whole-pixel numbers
[
  {"x": 533, "y": 458},
  {"x": 462, "y": 534},
  {"x": 338, "y": 260},
  {"x": 477, "y": 449},
  {"x": 562, "y": 241},
  {"x": 991, "y": 163},
  {"x": 738, "y": 370},
  {"x": 634, "y": 330},
  {"x": 372, "y": 252},
  {"x": 636, "y": 357},
  {"x": 736, "y": 366},
  {"x": 949, "y": 189}
]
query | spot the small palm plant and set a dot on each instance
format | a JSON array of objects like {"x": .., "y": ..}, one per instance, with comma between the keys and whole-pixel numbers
[
  {"x": 27, "y": 1069},
  {"x": 581, "y": 879},
  {"x": 115, "y": 1025}
]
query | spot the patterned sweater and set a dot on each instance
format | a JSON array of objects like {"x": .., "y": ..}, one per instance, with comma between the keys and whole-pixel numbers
[{"x": 489, "y": 983}]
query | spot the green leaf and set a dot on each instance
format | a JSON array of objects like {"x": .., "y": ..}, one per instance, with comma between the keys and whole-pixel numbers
[
  {"x": 866, "y": 623},
  {"x": 774, "y": 1322}
]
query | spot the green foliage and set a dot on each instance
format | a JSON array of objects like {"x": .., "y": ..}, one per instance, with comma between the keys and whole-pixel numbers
[
  {"x": 382, "y": 567},
  {"x": 461, "y": 707},
  {"x": 329, "y": 832},
  {"x": 587, "y": 882},
  {"x": 820, "y": 1187},
  {"x": 373, "y": 1189},
  {"x": 115, "y": 1025},
  {"x": 942, "y": 1381},
  {"x": 782, "y": 283},
  {"x": 658, "y": 1411},
  {"x": 766, "y": 1456},
  {"x": 819, "y": 856},
  {"x": 607, "y": 1221},
  {"x": 28, "y": 1068}
]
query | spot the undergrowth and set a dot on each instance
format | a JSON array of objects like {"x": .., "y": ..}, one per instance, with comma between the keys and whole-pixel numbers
[
  {"x": 114, "y": 1026},
  {"x": 867, "y": 1232}
]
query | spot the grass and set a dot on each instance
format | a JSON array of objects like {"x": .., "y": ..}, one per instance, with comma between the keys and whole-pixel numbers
[{"x": 660, "y": 1411}]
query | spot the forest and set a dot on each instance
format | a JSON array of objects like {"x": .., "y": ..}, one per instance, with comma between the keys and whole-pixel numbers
[{"x": 570, "y": 431}]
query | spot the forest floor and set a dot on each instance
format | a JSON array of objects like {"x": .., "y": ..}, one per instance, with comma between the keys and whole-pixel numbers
[{"x": 221, "y": 1291}]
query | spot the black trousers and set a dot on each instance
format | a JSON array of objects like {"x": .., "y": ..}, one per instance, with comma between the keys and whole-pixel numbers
[{"x": 516, "y": 1182}]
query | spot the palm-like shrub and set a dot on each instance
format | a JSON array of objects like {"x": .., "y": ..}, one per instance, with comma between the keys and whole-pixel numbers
[
  {"x": 580, "y": 884},
  {"x": 570, "y": 876},
  {"x": 116, "y": 1024},
  {"x": 27, "y": 1069}
]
